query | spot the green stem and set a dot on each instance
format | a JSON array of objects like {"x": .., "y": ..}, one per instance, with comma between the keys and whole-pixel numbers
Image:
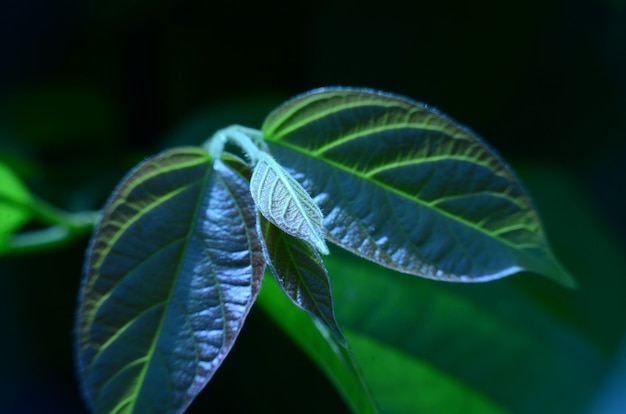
[
  {"x": 248, "y": 139},
  {"x": 49, "y": 214},
  {"x": 64, "y": 227}
]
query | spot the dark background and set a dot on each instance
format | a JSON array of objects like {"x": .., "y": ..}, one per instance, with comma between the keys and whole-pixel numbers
[{"x": 88, "y": 88}]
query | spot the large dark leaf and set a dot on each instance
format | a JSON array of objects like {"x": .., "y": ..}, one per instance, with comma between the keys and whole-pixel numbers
[
  {"x": 172, "y": 272},
  {"x": 407, "y": 187}
]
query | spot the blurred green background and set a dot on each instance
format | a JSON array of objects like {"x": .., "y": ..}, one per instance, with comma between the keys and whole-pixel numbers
[{"x": 89, "y": 88}]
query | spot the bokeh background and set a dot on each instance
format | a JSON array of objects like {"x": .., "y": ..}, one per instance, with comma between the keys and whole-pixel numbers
[{"x": 88, "y": 88}]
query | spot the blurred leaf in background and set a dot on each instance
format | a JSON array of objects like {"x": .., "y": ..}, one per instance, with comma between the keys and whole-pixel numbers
[{"x": 14, "y": 204}]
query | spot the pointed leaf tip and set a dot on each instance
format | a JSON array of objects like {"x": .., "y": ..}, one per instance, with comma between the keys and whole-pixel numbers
[{"x": 554, "y": 270}]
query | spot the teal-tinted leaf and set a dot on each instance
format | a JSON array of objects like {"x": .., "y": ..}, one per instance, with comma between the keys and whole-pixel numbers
[
  {"x": 172, "y": 271},
  {"x": 301, "y": 274},
  {"x": 15, "y": 200},
  {"x": 407, "y": 187},
  {"x": 283, "y": 201}
]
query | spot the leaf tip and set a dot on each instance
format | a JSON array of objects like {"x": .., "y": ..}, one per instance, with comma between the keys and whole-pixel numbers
[
  {"x": 564, "y": 278},
  {"x": 555, "y": 271},
  {"x": 321, "y": 247}
]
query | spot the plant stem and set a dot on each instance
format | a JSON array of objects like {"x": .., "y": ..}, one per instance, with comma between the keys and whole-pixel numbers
[
  {"x": 64, "y": 227},
  {"x": 249, "y": 140}
]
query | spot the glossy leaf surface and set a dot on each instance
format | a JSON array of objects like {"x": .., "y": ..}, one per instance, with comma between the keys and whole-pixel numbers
[
  {"x": 301, "y": 274},
  {"x": 172, "y": 271},
  {"x": 407, "y": 187}
]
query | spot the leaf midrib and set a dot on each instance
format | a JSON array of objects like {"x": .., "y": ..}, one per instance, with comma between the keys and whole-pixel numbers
[
  {"x": 141, "y": 377},
  {"x": 424, "y": 204},
  {"x": 303, "y": 281}
]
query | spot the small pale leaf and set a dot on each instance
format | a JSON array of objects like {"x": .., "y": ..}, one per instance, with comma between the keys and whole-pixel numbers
[{"x": 285, "y": 203}]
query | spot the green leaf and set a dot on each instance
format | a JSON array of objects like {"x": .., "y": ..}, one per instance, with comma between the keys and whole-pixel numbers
[
  {"x": 424, "y": 347},
  {"x": 402, "y": 383},
  {"x": 379, "y": 374},
  {"x": 432, "y": 347},
  {"x": 172, "y": 271},
  {"x": 15, "y": 200},
  {"x": 334, "y": 359},
  {"x": 407, "y": 187},
  {"x": 301, "y": 274}
]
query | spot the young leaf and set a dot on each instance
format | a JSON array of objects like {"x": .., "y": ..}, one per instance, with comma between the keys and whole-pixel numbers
[
  {"x": 284, "y": 202},
  {"x": 14, "y": 204},
  {"x": 301, "y": 274},
  {"x": 405, "y": 186},
  {"x": 171, "y": 273}
]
